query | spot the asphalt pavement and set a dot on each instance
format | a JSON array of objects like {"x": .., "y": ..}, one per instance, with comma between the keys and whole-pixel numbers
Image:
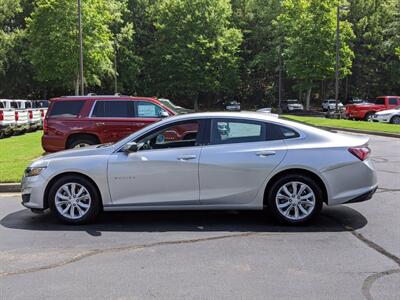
[{"x": 349, "y": 252}]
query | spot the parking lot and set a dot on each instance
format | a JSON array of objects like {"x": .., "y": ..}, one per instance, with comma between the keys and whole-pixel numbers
[{"x": 350, "y": 252}]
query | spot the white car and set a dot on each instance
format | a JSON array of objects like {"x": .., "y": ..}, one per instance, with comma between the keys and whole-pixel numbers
[
  {"x": 21, "y": 115},
  {"x": 330, "y": 104},
  {"x": 387, "y": 116},
  {"x": 7, "y": 120},
  {"x": 34, "y": 115}
]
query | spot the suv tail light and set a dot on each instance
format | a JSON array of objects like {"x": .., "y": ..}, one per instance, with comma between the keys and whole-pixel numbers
[
  {"x": 30, "y": 114},
  {"x": 42, "y": 113},
  {"x": 16, "y": 116},
  {"x": 1, "y": 116},
  {"x": 45, "y": 128},
  {"x": 361, "y": 153}
]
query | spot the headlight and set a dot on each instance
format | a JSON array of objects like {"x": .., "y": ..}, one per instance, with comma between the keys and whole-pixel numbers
[
  {"x": 383, "y": 115},
  {"x": 33, "y": 171}
]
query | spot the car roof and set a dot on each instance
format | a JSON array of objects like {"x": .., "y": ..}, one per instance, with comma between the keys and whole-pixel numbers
[{"x": 97, "y": 97}]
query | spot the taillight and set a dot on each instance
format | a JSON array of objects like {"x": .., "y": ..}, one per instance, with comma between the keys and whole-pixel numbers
[
  {"x": 1, "y": 116},
  {"x": 361, "y": 153},
  {"x": 16, "y": 116},
  {"x": 45, "y": 126},
  {"x": 42, "y": 113},
  {"x": 30, "y": 114}
]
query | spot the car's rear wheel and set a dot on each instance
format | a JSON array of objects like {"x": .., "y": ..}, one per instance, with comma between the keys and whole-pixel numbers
[
  {"x": 395, "y": 120},
  {"x": 74, "y": 200},
  {"x": 295, "y": 199},
  {"x": 80, "y": 142}
]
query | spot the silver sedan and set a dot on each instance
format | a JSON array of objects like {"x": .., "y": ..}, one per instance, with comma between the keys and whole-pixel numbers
[{"x": 240, "y": 161}]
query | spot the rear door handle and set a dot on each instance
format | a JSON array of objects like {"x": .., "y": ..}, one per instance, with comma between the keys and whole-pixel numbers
[
  {"x": 99, "y": 123},
  {"x": 265, "y": 153},
  {"x": 186, "y": 157}
]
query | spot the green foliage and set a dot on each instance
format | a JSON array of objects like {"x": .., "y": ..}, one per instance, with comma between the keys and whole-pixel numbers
[
  {"x": 195, "y": 47},
  {"x": 53, "y": 35},
  {"x": 8, "y": 34}
]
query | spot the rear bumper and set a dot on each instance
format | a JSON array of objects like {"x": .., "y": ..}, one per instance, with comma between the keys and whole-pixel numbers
[{"x": 364, "y": 197}]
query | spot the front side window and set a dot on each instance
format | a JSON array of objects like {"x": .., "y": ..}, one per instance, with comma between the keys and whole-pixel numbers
[
  {"x": 182, "y": 134},
  {"x": 236, "y": 131},
  {"x": 68, "y": 109},
  {"x": 113, "y": 109},
  {"x": 148, "y": 110},
  {"x": 392, "y": 101}
]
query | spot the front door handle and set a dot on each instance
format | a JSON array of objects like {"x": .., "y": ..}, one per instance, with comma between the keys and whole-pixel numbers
[
  {"x": 186, "y": 157},
  {"x": 265, "y": 153}
]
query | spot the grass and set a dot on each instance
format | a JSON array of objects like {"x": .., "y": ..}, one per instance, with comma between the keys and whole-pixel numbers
[
  {"x": 359, "y": 125},
  {"x": 16, "y": 153}
]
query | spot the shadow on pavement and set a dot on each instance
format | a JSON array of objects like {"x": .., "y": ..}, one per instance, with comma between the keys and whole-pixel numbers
[{"x": 332, "y": 219}]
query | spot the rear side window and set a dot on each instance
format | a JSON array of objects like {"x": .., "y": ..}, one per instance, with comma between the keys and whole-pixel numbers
[
  {"x": 147, "y": 110},
  {"x": 2, "y": 105},
  {"x": 393, "y": 101},
  {"x": 279, "y": 132},
  {"x": 113, "y": 109},
  {"x": 68, "y": 109},
  {"x": 228, "y": 131}
]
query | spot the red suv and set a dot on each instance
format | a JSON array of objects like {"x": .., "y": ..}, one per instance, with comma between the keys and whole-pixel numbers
[{"x": 78, "y": 121}]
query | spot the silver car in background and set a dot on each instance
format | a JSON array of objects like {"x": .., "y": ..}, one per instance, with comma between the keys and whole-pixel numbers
[{"x": 241, "y": 161}]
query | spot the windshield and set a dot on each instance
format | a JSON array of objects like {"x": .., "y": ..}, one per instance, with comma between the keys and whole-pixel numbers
[{"x": 168, "y": 103}]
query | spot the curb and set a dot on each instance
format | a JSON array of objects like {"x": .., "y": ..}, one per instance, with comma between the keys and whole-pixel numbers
[
  {"x": 10, "y": 187},
  {"x": 386, "y": 134}
]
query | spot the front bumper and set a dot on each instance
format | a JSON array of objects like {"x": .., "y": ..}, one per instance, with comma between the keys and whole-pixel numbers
[
  {"x": 381, "y": 119},
  {"x": 32, "y": 192}
]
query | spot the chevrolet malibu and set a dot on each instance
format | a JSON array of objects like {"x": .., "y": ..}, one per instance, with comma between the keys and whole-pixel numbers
[{"x": 240, "y": 161}]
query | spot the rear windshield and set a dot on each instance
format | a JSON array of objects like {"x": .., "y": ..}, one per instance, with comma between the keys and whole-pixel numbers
[
  {"x": 28, "y": 105},
  {"x": 68, "y": 109},
  {"x": 14, "y": 104}
]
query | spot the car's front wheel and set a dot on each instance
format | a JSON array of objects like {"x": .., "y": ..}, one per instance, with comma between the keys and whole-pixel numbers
[
  {"x": 395, "y": 120},
  {"x": 74, "y": 200},
  {"x": 295, "y": 199}
]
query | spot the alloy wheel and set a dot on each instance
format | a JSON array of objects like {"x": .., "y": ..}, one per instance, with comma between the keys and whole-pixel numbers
[
  {"x": 295, "y": 200},
  {"x": 72, "y": 200}
]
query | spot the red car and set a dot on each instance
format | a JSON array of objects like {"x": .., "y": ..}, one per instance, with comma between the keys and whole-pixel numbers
[
  {"x": 78, "y": 121},
  {"x": 365, "y": 110}
]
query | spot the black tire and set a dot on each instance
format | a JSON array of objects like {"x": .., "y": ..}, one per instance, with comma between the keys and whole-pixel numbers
[
  {"x": 395, "y": 120},
  {"x": 368, "y": 115},
  {"x": 272, "y": 205},
  {"x": 95, "y": 203},
  {"x": 82, "y": 140}
]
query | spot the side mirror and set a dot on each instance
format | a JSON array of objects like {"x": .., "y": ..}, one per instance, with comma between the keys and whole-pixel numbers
[
  {"x": 130, "y": 147},
  {"x": 164, "y": 114}
]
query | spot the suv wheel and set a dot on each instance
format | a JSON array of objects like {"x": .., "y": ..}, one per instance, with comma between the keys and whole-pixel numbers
[
  {"x": 74, "y": 200},
  {"x": 80, "y": 142},
  {"x": 295, "y": 199}
]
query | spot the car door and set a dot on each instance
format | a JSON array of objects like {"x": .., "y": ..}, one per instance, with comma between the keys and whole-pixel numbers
[
  {"x": 164, "y": 171},
  {"x": 237, "y": 161}
]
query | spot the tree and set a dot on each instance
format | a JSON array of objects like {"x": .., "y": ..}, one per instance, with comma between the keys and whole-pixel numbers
[
  {"x": 195, "y": 48},
  {"x": 376, "y": 71},
  {"x": 309, "y": 47},
  {"x": 53, "y": 41},
  {"x": 8, "y": 9}
]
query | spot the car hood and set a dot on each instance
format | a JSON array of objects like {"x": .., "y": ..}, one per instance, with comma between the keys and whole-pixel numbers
[
  {"x": 388, "y": 111},
  {"x": 86, "y": 151}
]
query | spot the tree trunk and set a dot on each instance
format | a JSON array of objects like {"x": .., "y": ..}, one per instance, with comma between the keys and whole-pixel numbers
[
  {"x": 76, "y": 84},
  {"x": 196, "y": 102},
  {"x": 308, "y": 98}
]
